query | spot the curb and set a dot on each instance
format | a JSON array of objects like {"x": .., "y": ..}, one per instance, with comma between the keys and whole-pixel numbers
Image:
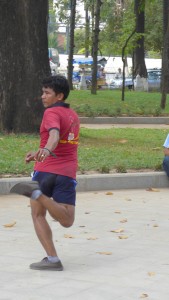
[
  {"x": 104, "y": 182},
  {"x": 124, "y": 120}
]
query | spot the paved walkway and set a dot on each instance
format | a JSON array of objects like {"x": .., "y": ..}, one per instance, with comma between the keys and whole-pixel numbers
[{"x": 99, "y": 264}]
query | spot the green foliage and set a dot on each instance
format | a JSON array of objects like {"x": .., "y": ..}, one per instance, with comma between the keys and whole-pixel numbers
[
  {"x": 154, "y": 26},
  {"x": 52, "y": 27},
  {"x": 120, "y": 169},
  {"x": 52, "y": 40},
  {"x": 79, "y": 40},
  {"x": 118, "y": 25}
]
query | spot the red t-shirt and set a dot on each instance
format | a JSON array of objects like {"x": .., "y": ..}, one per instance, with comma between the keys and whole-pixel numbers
[{"x": 64, "y": 119}]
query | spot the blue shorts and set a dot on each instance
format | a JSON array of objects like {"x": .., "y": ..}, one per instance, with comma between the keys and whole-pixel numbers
[{"x": 61, "y": 188}]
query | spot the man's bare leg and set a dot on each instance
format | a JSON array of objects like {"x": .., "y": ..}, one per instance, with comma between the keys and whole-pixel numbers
[{"x": 42, "y": 227}]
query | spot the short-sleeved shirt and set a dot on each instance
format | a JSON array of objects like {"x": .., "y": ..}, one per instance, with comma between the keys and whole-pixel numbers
[{"x": 62, "y": 118}]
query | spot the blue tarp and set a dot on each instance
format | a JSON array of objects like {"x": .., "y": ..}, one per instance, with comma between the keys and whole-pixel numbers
[{"x": 83, "y": 61}]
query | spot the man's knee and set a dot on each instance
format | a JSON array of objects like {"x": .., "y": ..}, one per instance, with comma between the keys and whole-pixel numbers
[
  {"x": 37, "y": 210},
  {"x": 67, "y": 223}
]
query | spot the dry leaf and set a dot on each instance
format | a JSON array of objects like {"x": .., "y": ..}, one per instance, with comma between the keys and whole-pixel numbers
[
  {"x": 156, "y": 148},
  {"x": 68, "y": 236},
  {"x": 105, "y": 253},
  {"x": 117, "y": 212},
  {"x": 150, "y": 189},
  {"x": 92, "y": 238},
  {"x": 123, "y": 141},
  {"x": 151, "y": 273},
  {"x": 10, "y": 224},
  {"x": 123, "y": 221},
  {"x": 144, "y": 296},
  {"x": 109, "y": 193},
  {"x": 123, "y": 237},
  {"x": 155, "y": 225},
  {"x": 117, "y": 230}
]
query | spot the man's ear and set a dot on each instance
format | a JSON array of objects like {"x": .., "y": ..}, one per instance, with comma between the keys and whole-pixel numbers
[{"x": 60, "y": 96}]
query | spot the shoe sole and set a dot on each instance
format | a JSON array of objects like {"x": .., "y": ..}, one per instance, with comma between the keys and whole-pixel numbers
[
  {"x": 46, "y": 269},
  {"x": 24, "y": 188}
]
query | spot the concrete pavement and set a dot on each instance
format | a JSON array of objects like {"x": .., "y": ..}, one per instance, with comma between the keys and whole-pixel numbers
[{"x": 100, "y": 264}]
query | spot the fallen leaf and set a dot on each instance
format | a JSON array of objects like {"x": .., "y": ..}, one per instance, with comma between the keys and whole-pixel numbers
[
  {"x": 68, "y": 236},
  {"x": 10, "y": 224},
  {"x": 155, "y": 225},
  {"x": 123, "y": 237},
  {"x": 117, "y": 212},
  {"x": 144, "y": 296},
  {"x": 123, "y": 141},
  {"x": 151, "y": 273},
  {"x": 105, "y": 253},
  {"x": 92, "y": 238},
  {"x": 128, "y": 199},
  {"x": 109, "y": 193},
  {"x": 117, "y": 230},
  {"x": 156, "y": 148},
  {"x": 150, "y": 189},
  {"x": 123, "y": 221}
]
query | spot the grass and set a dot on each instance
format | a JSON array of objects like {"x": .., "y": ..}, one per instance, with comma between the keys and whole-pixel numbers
[
  {"x": 102, "y": 150},
  {"x": 108, "y": 103},
  {"x": 108, "y": 150}
]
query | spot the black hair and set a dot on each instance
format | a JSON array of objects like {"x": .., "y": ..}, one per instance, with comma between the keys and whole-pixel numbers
[{"x": 58, "y": 83}]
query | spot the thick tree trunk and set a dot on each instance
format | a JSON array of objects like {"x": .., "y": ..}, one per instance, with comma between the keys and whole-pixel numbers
[
  {"x": 71, "y": 45},
  {"x": 139, "y": 55},
  {"x": 95, "y": 46},
  {"x": 23, "y": 63}
]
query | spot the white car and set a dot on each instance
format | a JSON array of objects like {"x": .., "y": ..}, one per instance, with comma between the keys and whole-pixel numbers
[{"x": 118, "y": 82}]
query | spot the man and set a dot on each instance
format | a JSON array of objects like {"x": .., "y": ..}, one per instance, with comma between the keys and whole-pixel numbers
[
  {"x": 166, "y": 161},
  {"x": 54, "y": 179}
]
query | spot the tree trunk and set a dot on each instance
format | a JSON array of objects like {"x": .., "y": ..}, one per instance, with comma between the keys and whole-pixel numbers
[
  {"x": 139, "y": 55},
  {"x": 87, "y": 31},
  {"x": 71, "y": 39},
  {"x": 165, "y": 54},
  {"x": 23, "y": 63},
  {"x": 124, "y": 61},
  {"x": 95, "y": 46}
]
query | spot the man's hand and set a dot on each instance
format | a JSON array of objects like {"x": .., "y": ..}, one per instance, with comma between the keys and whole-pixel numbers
[
  {"x": 41, "y": 154},
  {"x": 166, "y": 151},
  {"x": 30, "y": 156}
]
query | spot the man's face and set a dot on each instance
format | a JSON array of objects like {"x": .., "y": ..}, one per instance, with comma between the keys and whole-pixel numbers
[{"x": 49, "y": 97}]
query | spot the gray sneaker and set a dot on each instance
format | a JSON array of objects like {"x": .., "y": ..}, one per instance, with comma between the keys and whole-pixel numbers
[
  {"x": 25, "y": 188},
  {"x": 45, "y": 264}
]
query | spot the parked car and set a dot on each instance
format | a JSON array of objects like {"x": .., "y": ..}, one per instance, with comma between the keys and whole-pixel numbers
[
  {"x": 154, "y": 79},
  {"x": 117, "y": 83}
]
